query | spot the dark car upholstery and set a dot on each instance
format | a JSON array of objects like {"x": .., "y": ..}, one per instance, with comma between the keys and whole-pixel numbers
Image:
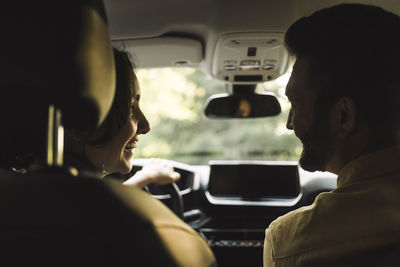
[{"x": 60, "y": 53}]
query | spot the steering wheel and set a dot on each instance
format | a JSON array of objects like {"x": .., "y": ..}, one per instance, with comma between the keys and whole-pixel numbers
[
  {"x": 176, "y": 198},
  {"x": 171, "y": 189}
]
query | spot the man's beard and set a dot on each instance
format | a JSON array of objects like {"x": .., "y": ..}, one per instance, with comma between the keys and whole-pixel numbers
[
  {"x": 317, "y": 147},
  {"x": 312, "y": 160}
]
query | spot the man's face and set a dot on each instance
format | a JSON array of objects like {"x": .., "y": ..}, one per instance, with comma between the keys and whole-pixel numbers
[{"x": 312, "y": 130}]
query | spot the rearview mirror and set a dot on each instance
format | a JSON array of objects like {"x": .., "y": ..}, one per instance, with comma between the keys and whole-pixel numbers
[{"x": 242, "y": 106}]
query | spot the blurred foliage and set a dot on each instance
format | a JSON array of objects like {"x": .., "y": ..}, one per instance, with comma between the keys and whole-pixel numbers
[{"x": 172, "y": 100}]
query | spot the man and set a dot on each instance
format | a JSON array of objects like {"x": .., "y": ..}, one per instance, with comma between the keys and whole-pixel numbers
[{"x": 345, "y": 97}]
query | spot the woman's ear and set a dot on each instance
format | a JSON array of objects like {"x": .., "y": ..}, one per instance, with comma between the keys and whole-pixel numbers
[
  {"x": 74, "y": 135},
  {"x": 75, "y": 141},
  {"x": 343, "y": 117}
]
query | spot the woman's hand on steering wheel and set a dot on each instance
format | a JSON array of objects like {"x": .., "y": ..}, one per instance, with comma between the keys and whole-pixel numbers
[{"x": 155, "y": 171}]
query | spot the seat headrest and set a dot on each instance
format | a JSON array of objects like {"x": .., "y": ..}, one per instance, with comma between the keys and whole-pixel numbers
[{"x": 55, "y": 52}]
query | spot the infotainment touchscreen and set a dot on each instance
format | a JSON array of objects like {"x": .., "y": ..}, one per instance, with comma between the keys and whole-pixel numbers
[{"x": 254, "y": 180}]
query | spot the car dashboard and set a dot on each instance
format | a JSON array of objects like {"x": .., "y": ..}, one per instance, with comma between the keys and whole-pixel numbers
[{"x": 231, "y": 203}]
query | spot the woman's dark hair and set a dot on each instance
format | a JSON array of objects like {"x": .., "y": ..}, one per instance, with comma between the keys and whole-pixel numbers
[
  {"x": 17, "y": 155},
  {"x": 121, "y": 106},
  {"x": 353, "y": 50}
]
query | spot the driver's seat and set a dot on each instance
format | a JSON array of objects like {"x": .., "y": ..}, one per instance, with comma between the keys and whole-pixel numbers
[
  {"x": 59, "y": 54},
  {"x": 54, "y": 219}
]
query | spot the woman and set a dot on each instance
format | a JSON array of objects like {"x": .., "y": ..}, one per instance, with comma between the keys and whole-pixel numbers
[{"x": 110, "y": 148}]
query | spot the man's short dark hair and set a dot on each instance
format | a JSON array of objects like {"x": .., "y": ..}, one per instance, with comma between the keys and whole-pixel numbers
[{"x": 353, "y": 50}]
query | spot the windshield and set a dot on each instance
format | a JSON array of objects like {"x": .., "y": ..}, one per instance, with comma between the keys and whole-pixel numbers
[{"x": 173, "y": 102}]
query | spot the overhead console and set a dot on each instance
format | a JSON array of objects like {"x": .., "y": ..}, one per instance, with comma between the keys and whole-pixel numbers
[
  {"x": 251, "y": 183},
  {"x": 250, "y": 57}
]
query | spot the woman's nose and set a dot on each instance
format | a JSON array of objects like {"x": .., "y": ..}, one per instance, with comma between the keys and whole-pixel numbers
[{"x": 143, "y": 125}]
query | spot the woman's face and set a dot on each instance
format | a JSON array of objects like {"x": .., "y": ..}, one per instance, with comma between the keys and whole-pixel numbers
[{"x": 116, "y": 155}]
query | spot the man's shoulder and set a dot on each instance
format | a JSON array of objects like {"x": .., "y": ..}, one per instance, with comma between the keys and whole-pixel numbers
[
  {"x": 301, "y": 216},
  {"x": 295, "y": 231},
  {"x": 338, "y": 222}
]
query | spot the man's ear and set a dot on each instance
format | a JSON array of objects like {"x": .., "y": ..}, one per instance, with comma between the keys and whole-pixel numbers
[{"x": 343, "y": 117}]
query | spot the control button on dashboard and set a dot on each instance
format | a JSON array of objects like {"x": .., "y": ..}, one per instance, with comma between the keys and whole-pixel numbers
[
  {"x": 230, "y": 62},
  {"x": 250, "y": 62},
  {"x": 230, "y": 67},
  {"x": 269, "y": 67},
  {"x": 250, "y": 65},
  {"x": 251, "y": 51},
  {"x": 259, "y": 244}
]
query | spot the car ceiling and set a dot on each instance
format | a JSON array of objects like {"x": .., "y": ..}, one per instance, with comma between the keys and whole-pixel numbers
[{"x": 206, "y": 20}]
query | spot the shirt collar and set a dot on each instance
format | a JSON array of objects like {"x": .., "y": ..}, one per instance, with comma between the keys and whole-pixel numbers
[{"x": 370, "y": 165}]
